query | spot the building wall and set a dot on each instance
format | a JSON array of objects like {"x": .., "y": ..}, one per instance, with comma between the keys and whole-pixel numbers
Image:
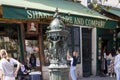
[
  {"x": 113, "y": 3},
  {"x": 79, "y": 67},
  {"x": 94, "y": 50},
  {"x": 84, "y": 2}
]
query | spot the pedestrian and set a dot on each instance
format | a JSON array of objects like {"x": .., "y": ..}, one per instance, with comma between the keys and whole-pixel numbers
[
  {"x": 117, "y": 65},
  {"x": 23, "y": 72},
  {"x": 104, "y": 63},
  {"x": 105, "y": 58},
  {"x": 47, "y": 60},
  {"x": 7, "y": 64},
  {"x": 0, "y": 71},
  {"x": 32, "y": 61},
  {"x": 110, "y": 62},
  {"x": 102, "y": 66},
  {"x": 73, "y": 62}
]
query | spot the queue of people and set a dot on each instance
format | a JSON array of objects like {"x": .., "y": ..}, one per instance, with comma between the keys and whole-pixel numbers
[
  {"x": 107, "y": 65},
  {"x": 111, "y": 64},
  {"x": 8, "y": 72}
]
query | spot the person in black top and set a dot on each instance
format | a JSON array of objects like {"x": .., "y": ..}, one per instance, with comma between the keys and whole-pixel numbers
[
  {"x": 73, "y": 63},
  {"x": 32, "y": 61}
]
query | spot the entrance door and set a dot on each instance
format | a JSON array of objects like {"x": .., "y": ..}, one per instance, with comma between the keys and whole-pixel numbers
[{"x": 86, "y": 51}]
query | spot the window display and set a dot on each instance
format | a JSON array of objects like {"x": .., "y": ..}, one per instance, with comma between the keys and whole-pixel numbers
[
  {"x": 9, "y": 41},
  {"x": 32, "y": 53},
  {"x": 11, "y": 45}
]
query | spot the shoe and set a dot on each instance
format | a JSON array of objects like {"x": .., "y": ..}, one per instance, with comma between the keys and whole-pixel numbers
[
  {"x": 111, "y": 75},
  {"x": 107, "y": 74}
]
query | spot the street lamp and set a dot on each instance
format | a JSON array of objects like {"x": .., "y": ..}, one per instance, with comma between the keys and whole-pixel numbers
[{"x": 57, "y": 36}]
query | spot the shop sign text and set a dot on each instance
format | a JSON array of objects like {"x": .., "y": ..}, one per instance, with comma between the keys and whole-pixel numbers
[{"x": 31, "y": 14}]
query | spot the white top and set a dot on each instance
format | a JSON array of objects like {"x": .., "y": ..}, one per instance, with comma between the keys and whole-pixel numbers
[
  {"x": 36, "y": 72},
  {"x": 105, "y": 56},
  {"x": 0, "y": 71},
  {"x": 71, "y": 59},
  {"x": 117, "y": 62},
  {"x": 8, "y": 66}
]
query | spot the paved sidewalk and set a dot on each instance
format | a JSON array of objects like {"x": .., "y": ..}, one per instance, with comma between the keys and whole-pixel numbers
[{"x": 97, "y": 78}]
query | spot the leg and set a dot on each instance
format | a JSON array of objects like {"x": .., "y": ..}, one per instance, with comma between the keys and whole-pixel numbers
[
  {"x": 72, "y": 73},
  {"x": 117, "y": 75}
]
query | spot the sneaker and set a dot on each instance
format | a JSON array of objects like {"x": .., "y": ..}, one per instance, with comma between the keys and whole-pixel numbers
[
  {"x": 107, "y": 74},
  {"x": 111, "y": 75}
]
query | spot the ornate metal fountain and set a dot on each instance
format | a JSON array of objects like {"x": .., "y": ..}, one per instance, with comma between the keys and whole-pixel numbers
[{"x": 57, "y": 36}]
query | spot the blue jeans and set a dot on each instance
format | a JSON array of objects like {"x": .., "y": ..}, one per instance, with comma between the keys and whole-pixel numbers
[{"x": 72, "y": 72}]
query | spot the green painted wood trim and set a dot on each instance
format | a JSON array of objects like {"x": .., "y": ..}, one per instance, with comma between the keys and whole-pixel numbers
[{"x": 20, "y": 44}]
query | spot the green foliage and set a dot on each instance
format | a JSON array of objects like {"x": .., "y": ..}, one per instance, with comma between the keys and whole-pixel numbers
[{"x": 95, "y": 6}]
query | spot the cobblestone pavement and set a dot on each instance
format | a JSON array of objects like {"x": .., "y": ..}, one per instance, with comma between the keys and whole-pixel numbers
[{"x": 97, "y": 78}]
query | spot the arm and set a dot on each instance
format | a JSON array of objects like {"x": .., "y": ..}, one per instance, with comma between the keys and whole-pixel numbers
[
  {"x": 115, "y": 61},
  {"x": 1, "y": 74},
  {"x": 68, "y": 55},
  {"x": 18, "y": 66}
]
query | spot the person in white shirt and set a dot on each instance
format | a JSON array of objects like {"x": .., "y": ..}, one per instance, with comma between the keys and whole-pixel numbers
[
  {"x": 117, "y": 65},
  {"x": 0, "y": 71},
  {"x": 9, "y": 72}
]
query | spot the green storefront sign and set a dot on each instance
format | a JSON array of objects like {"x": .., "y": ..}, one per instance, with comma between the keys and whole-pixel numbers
[{"x": 33, "y": 14}]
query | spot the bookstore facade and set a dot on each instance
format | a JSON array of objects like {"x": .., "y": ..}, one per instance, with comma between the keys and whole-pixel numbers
[{"x": 23, "y": 32}]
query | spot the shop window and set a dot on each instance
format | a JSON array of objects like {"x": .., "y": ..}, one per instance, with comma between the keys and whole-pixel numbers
[
  {"x": 46, "y": 46},
  {"x": 31, "y": 55},
  {"x": 9, "y": 40},
  {"x": 74, "y": 40},
  {"x": 32, "y": 50}
]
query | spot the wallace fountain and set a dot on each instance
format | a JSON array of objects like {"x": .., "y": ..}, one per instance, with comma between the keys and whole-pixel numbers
[{"x": 57, "y": 36}]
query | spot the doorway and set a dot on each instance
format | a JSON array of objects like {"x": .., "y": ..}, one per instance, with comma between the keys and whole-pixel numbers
[
  {"x": 105, "y": 46},
  {"x": 86, "y": 51}
]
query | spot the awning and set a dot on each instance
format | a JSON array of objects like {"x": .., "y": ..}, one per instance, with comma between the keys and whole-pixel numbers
[
  {"x": 72, "y": 12},
  {"x": 114, "y": 11}
]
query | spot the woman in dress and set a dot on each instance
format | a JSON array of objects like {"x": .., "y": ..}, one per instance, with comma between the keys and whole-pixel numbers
[
  {"x": 110, "y": 65},
  {"x": 9, "y": 72},
  {"x": 110, "y": 62}
]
